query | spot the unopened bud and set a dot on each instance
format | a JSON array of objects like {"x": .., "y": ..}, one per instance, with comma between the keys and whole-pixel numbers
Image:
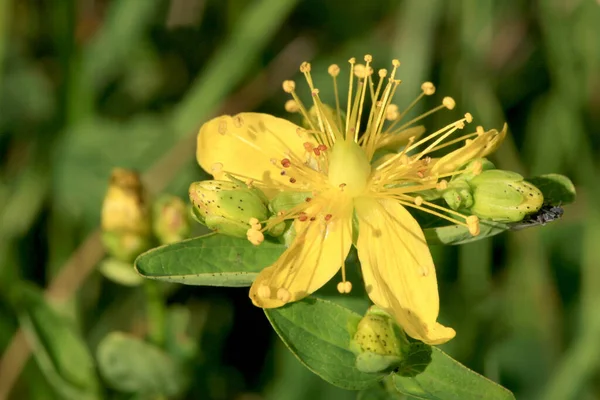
[
  {"x": 125, "y": 216},
  {"x": 170, "y": 219},
  {"x": 378, "y": 342},
  {"x": 504, "y": 196},
  {"x": 227, "y": 207}
]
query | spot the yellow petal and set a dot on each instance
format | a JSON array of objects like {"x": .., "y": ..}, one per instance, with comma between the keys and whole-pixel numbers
[
  {"x": 313, "y": 258},
  {"x": 481, "y": 146},
  {"x": 398, "y": 269},
  {"x": 246, "y": 144}
]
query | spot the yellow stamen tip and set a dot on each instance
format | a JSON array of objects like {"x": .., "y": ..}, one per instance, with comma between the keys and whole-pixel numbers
[
  {"x": 418, "y": 200},
  {"x": 360, "y": 71},
  {"x": 479, "y": 130},
  {"x": 253, "y": 221},
  {"x": 442, "y": 185},
  {"x": 473, "y": 225},
  {"x": 344, "y": 287},
  {"x": 449, "y": 103},
  {"x": 392, "y": 112},
  {"x": 289, "y": 86},
  {"x": 305, "y": 67},
  {"x": 264, "y": 291},
  {"x": 368, "y": 58},
  {"x": 468, "y": 118},
  {"x": 291, "y": 106},
  {"x": 428, "y": 88},
  {"x": 333, "y": 70},
  {"x": 395, "y": 63},
  {"x": 314, "y": 92},
  {"x": 459, "y": 124},
  {"x": 382, "y": 73},
  {"x": 283, "y": 295},
  {"x": 352, "y": 60},
  {"x": 255, "y": 236}
]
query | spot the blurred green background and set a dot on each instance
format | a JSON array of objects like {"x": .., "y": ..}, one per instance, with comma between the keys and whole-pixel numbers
[{"x": 87, "y": 85}]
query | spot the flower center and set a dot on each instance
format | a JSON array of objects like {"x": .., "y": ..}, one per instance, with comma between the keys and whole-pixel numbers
[{"x": 349, "y": 167}]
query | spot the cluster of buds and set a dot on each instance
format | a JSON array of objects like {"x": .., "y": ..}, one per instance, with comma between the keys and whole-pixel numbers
[
  {"x": 131, "y": 224},
  {"x": 126, "y": 227}
]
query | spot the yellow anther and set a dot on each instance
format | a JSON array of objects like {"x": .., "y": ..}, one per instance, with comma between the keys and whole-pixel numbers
[
  {"x": 392, "y": 112},
  {"x": 283, "y": 295},
  {"x": 395, "y": 63},
  {"x": 344, "y": 287},
  {"x": 468, "y": 118},
  {"x": 459, "y": 124},
  {"x": 249, "y": 183},
  {"x": 253, "y": 221},
  {"x": 428, "y": 88},
  {"x": 479, "y": 130},
  {"x": 222, "y": 128},
  {"x": 255, "y": 236},
  {"x": 418, "y": 200},
  {"x": 382, "y": 73},
  {"x": 305, "y": 67},
  {"x": 473, "y": 224},
  {"x": 368, "y": 58},
  {"x": 360, "y": 71},
  {"x": 314, "y": 92},
  {"x": 289, "y": 86},
  {"x": 442, "y": 185},
  {"x": 449, "y": 103},
  {"x": 333, "y": 70},
  {"x": 369, "y": 70},
  {"x": 291, "y": 106},
  {"x": 264, "y": 291},
  {"x": 352, "y": 60}
]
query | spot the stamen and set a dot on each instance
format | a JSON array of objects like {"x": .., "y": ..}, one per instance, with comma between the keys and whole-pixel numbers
[
  {"x": 344, "y": 287},
  {"x": 291, "y": 106},
  {"x": 283, "y": 295},
  {"x": 349, "y": 101},
  {"x": 477, "y": 167},
  {"x": 334, "y": 71},
  {"x": 428, "y": 88},
  {"x": 328, "y": 217},
  {"x": 442, "y": 185},
  {"x": 254, "y": 236},
  {"x": 418, "y": 200},
  {"x": 289, "y": 86},
  {"x": 473, "y": 225},
  {"x": 392, "y": 112},
  {"x": 449, "y": 103},
  {"x": 285, "y": 163}
]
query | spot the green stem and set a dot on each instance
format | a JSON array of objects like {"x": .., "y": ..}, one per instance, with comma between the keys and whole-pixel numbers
[{"x": 155, "y": 312}]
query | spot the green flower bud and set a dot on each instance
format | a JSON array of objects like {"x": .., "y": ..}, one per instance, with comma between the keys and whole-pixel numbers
[
  {"x": 170, "y": 219},
  {"x": 285, "y": 201},
  {"x": 458, "y": 195},
  {"x": 504, "y": 196},
  {"x": 125, "y": 246},
  {"x": 125, "y": 216},
  {"x": 227, "y": 207},
  {"x": 125, "y": 207},
  {"x": 378, "y": 342}
]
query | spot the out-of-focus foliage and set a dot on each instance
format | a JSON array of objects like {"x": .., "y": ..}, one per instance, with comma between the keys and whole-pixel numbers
[{"x": 86, "y": 86}]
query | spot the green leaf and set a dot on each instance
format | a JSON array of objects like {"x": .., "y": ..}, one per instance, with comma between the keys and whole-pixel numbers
[
  {"x": 129, "y": 364},
  {"x": 557, "y": 189},
  {"x": 456, "y": 234},
  {"x": 447, "y": 379},
  {"x": 318, "y": 333},
  {"x": 379, "y": 392},
  {"x": 211, "y": 260},
  {"x": 59, "y": 350}
]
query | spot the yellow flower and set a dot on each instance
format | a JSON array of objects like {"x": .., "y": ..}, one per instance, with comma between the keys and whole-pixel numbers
[{"x": 333, "y": 162}]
